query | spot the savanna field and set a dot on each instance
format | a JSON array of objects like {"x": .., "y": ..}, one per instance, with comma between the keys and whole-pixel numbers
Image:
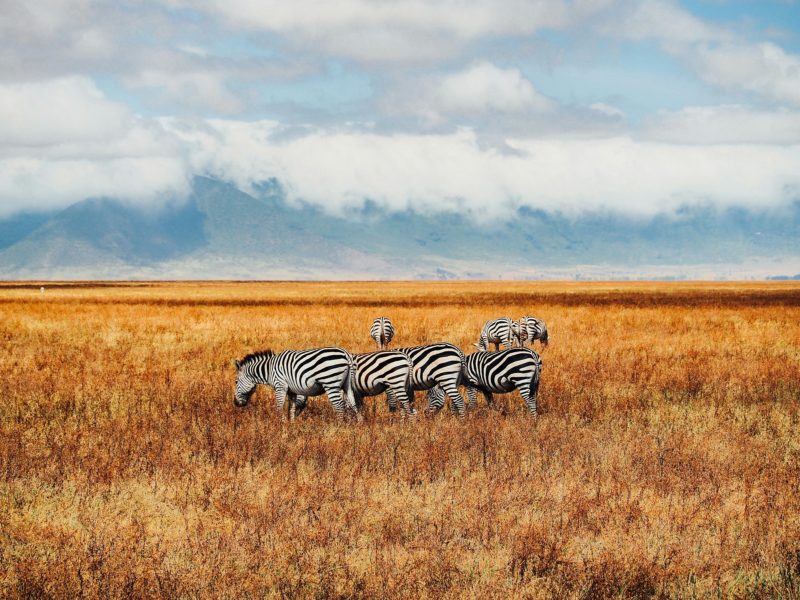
[{"x": 665, "y": 461}]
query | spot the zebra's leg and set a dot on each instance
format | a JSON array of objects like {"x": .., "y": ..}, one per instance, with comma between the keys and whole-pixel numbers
[
  {"x": 456, "y": 399},
  {"x": 398, "y": 396},
  {"x": 292, "y": 405},
  {"x": 391, "y": 400},
  {"x": 472, "y": 394},
  {"x": 280, "y": 399},
  {"x": 529, "y": 390},
  {"x": 342, "y": 406},
  {"x": 300, "y": 403}
]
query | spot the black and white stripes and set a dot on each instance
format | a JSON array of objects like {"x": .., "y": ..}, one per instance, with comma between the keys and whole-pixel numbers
[
  {"x": 531, "y": 329},
  {"x": 498, "y": 331},
  {"x": 439, "y": 368},
  {"x": 382, "y": 331},
  {"x": 503, "y": 372},
  {"x": 298, "y": 373},
  {"x": 384, "y": 371},
  {"x": 439, "y": 365}
]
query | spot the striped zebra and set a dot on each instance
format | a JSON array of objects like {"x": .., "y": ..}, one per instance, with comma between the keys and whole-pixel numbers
[
  {"x": 298, "y": 374},
  {"x": 498, "y": 331},
  {"x": 531, "y": 328},
  {"x": 384, "y": 371},
  {"x": 382, "y": 331},
  {"x": 438, "y": 365},
  {"x": 498, "y": 373}
]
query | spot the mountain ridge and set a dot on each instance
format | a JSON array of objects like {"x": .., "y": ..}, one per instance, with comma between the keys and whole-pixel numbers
[{"x": 221, "y": 232}]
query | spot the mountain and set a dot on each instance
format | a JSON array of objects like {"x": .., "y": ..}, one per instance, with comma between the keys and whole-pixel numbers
[{"x": 222, "y": 232}]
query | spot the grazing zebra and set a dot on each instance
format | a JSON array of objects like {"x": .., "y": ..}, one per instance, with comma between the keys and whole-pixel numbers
[
  {"x": 498, "y": 331},
  {"x": 298, "y": 374},
  {"x": 382, "y": 331},
  {"x": 531, "y": 328},
  {"x": 384, "y": 371},
  {"x": 498, "y": 373},
  {"x": 437, "y": 365}
]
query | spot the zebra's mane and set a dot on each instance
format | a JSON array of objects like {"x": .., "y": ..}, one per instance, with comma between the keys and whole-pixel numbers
[{"x": 254, "y": 355}]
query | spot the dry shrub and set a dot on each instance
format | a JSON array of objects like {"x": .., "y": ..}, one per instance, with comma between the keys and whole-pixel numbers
[{"x": 665, "y": 462}]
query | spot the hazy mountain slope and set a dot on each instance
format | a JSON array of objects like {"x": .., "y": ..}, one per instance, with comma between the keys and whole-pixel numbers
[{"x": 222, "y": 232}]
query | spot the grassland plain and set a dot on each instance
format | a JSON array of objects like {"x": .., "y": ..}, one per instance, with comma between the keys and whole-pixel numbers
[{"x": 665, "y": 462}]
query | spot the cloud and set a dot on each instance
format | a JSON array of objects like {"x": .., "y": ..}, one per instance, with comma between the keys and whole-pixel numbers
[
  {"x": 481, "y": 94},
  {"x": 484, "y": 87},
  {"x": 62, "y": 141},
  {"x": 664, "y": 21},
  {"x": 730, "y": 124},
  {"x": 393, "y": 31},
  {"x": 452, "y": 173},
  {"x": 719, "y": 56},
  {"x": 64, "y": 109},
  {"x": 204, "y": 88},
  {"x": 765, "y": 69}
]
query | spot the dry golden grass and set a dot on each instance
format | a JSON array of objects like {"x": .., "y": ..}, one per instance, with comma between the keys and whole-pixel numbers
[{"x": 665, "y": 462}]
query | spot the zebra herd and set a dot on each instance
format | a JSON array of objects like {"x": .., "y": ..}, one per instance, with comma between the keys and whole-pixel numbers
[{"x": 439, "y": 369}]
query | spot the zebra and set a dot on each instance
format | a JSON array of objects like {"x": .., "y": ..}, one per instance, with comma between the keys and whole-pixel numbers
[
  {"x": 531, "y": 328},
  {"x": 498, "y": 331},
  {"x": 384, "y": 371},
  {"x": 382, "y": 331},
  {"x": 498, "y": 373},
  {"x": 438, "y": 365},
  {"x": 298, "y": 374}
]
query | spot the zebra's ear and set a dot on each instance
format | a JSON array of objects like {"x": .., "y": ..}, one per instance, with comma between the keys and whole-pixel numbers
[{"x": 237, "y": 363}]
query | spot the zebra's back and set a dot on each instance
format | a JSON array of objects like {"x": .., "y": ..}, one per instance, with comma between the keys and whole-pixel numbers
[
  {"x": 383, "y": 368},
  {"x": 431, "y": 362},
  {"x": 302, "y": 368}
]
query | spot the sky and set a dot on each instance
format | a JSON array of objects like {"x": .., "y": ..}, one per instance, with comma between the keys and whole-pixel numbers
[{"x": 482, "y": 107}]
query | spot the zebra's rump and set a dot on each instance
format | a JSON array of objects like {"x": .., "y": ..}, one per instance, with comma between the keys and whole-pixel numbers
[
  {"x": 500, "y": 371},
  {"x": 501, "y": 330},
  {"x": 382, "y": 330},
  {"x": 375, "y": 371},
  {"x": 433, "y": 362}
]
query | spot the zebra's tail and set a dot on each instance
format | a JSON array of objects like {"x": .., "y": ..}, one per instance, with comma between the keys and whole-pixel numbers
[{"x": 349, "y": 396}]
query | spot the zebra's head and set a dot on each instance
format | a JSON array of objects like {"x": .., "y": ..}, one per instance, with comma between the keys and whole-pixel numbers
[
  {"x": 543, "y": 339},
  {"x": 247, "y": 376}
]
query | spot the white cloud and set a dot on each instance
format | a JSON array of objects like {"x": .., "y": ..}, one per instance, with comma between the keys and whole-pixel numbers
[
  {"x": 664, "y": 21},
  {"x": 761, "y": 68},
  {"x": 724, "y": 125},
  {"x": 485, "y": 87},
  {"x": 70, "y": 108},
  {"x": 482, "y": 94},
  {"x": 397, "y": 30},
  {"x": 62, "y": 141},
  {"x": 203, "y": 88},
  {"x": 445, "y": 173},
  {"x": 718, "y": 55},
  {"x": 607, "y": 109}
]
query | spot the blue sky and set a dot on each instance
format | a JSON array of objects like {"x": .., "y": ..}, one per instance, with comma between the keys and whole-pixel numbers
[{"x": 638, "y": 106}]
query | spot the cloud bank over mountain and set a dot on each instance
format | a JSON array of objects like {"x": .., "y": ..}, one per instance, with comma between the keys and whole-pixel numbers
[{"x": 639, "y": 107}]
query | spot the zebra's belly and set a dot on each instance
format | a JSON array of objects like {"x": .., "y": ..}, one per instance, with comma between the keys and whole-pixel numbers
[
  {"x": 372, "y": 388},
  {"x": 308, "y": 389},
  {"x": 502, "y": 386}
]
